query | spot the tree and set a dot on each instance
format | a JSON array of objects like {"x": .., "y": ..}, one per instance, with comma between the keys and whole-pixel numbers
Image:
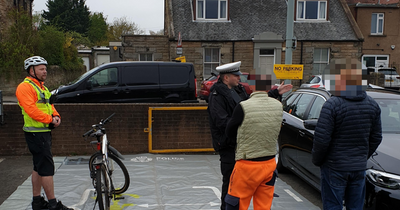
[
  {"x": 160, "y": 32},
  {"x": 122, "y": 26},
  {"x": 69, "y": 15},
  {"x": 52, "y": 45},
  {"x": 98, "y": 29},
  {"x": 18, "y": 42}
]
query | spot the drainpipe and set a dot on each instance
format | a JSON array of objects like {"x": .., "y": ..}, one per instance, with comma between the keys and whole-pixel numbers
[
  {"x": 233, "y": 51},
  {"x": 301, "y": 53}
]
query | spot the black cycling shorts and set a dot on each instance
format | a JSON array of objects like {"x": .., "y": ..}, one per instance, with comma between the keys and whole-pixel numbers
[{"x": 39, "y": 144}]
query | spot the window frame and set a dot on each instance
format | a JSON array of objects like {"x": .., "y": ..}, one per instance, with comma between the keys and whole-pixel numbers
[
  {"x": 377, "y": 23},
  {"x": 104, "y": 73},
  {"x": 307, "y": 109},
  {"x": 322, "y": 62},
  {"x": 203, "y": 18},
  {"x": 297, "y": 18},
  {"x": 312, "y": 105},
  {"x": 204, "y": 59},
  {"x": 152, "y": 56}
]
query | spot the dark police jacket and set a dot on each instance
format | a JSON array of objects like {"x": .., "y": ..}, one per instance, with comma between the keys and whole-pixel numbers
[
  {"x": 347, "y": 133},
  {"x": 220, "y": 108}
]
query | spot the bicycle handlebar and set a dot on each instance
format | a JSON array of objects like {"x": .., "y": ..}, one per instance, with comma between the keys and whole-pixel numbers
[
  {"x": 88, "y": 133},
  {"x": 98, "y": 126},
  {"x": 108, "y": 119}
]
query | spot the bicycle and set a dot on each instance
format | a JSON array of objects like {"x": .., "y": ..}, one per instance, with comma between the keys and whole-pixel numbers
[{"x": 109, "y": 175}]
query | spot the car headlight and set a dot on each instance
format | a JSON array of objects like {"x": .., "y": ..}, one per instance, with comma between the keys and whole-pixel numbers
[
  {"x": 384, "y": 179},
  {"x": 54, "y": 92}
]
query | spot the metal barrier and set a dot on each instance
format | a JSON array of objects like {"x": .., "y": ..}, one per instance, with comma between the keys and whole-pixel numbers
[{"x": 150, "y": 130}]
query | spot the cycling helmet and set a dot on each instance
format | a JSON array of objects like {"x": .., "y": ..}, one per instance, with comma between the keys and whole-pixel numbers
[{"x": 34, "y": 61}]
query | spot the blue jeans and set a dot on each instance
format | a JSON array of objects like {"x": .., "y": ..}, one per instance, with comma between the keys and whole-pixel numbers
[{"x": 337, "y": 186}]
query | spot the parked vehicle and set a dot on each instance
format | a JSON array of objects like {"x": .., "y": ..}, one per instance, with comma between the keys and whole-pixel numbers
[
  {"x": 208, "y": 83},
  {"x": 392, "y": 79},
  {"x": 301, "y": 112},
  {"x": 317, "y": 82},
  {"x": 132, "y": 82},
  {"x": 314, "y": 82}
]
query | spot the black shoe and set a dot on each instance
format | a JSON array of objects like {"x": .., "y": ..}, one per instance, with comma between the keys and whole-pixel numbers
[
  {"x": 42, "y": 205},
  {"x": 60, "y": 206}
]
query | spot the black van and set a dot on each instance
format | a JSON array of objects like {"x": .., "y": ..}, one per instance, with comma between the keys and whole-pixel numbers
[{"x": 132, "y": 82}]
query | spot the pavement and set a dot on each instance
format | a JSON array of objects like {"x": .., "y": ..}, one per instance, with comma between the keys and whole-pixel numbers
[{"x": 158, "y": 181}]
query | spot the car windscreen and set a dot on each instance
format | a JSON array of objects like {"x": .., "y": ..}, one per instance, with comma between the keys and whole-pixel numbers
[
  {"x": 213, "y": 77},
  {"x": 314, "y": 80},
  {"x": 387, "y": 72},
  {"x": 390, "y": 115}
]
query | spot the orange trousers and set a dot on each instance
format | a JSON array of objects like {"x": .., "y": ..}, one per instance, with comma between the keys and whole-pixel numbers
[{"x": 251, "y": 179}]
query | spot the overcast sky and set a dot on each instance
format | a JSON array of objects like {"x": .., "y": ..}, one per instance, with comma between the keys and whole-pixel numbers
[{"x": 148, "y": 14}]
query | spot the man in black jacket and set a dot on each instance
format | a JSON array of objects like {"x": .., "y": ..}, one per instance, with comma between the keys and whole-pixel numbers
[
  {"x": 224, "y": 96},
  {"x": 347, "y": 134}
]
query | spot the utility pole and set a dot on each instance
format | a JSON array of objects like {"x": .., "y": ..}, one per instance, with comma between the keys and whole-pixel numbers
[{"x": 289, "y": 33}]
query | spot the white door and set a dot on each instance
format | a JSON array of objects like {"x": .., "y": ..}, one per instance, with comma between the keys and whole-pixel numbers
[
  {"x": 102, "y": 59},
  {"x": 267, "y": 65},
  {"x": 86, "y": 63}
]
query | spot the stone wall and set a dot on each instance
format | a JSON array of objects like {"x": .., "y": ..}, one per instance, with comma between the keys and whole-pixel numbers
[
  {"x": 194, "y": 53},
  {"x": 134, "y": 45}
]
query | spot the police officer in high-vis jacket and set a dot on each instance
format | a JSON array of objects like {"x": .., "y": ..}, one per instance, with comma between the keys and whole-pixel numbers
[{"x": 40, "y": 117}]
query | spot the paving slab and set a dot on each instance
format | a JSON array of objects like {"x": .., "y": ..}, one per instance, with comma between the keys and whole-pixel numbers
[{"x": 158, "y": 182}]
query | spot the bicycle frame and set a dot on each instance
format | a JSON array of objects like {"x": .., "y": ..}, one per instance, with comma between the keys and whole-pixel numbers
[{"x": 102, "y": 163}]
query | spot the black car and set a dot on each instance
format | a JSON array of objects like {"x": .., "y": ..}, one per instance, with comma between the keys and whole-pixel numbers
[
  {"x": 132, "y": 82},
  {"x": 301, "y": 112}
]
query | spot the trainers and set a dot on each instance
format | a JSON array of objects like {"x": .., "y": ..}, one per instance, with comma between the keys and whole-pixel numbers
[
  {"x": 60, "y": 206},
  {"x": 42, "y": 205}
]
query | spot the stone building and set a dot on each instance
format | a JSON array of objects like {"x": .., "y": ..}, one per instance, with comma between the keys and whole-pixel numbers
[
  {"x": 253, "y": 32},
  {"x": 6, "y": 6}
]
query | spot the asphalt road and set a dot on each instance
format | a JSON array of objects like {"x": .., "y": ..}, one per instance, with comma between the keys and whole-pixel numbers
[
  {"x": 16, "y": 169},
  {"x": 306, "y": 190},
  {"x": 13, "y": 172}
]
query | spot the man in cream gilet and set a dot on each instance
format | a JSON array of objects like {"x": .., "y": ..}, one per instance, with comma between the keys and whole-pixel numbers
[{"x": 255, "y": 125}]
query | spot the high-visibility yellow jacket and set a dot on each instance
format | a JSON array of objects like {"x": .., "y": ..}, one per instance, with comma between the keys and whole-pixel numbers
[{"x": 33, "y": 98}]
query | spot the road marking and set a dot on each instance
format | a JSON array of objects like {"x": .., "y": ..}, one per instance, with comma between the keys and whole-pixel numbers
[
  {"x": 141, "y": 159},
  {"x": 193, "y": 204},
  {"x": 214, "y": 189},
  {"x": 84, "y": 198},
  {"x": 293, "y": 195},
  {"x": 1, "y": 160}
]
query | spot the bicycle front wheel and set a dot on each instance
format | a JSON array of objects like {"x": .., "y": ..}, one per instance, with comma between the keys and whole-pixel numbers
[
  {"x": 102, "y": 188},
  {"x": 118, "y": 172}
]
